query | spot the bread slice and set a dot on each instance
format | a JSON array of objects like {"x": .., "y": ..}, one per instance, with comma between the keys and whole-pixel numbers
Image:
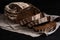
[{"x": 47, "y": 27}]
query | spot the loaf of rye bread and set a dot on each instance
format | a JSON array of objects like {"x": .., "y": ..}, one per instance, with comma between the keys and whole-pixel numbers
[
  {"x": 17, "y": 11},
  {"x": 28, "y": 15}
]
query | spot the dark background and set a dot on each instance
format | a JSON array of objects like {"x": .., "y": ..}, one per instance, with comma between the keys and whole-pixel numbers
[{"x": 50, "y": 7}]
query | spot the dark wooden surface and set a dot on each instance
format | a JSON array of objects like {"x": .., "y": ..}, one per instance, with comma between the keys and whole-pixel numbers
[{"x": 50, "y": 7}]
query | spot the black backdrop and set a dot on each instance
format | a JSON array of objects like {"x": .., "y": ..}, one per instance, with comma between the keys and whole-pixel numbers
[{"x": 50, "y": 7}]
